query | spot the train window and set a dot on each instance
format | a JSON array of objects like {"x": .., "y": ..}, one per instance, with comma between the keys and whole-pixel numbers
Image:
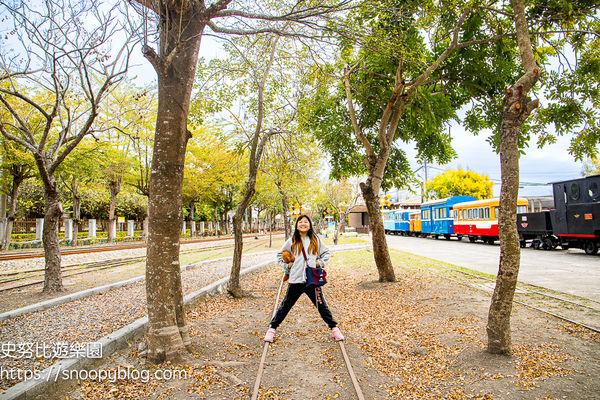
[
  {"x": 470, "y": 213},
  {"x": 593, "y": 191},
  {"x": 481, "y": 215},
  {"x": 521, "y": 209},
  {"x": 487, "y": 213},
  {"x": 496, "y": 212},
  {"x": 574, "y": 191}
]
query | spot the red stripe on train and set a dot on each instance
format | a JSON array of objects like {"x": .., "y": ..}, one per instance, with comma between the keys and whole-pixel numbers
[{"x": 564, "y": 234}]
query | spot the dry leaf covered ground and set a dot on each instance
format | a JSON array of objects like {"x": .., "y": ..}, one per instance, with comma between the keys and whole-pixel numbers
[{"x": 420, "y": 338}]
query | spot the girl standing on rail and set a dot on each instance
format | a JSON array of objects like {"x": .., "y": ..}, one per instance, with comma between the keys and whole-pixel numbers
[{"x": 317, "y": 255}]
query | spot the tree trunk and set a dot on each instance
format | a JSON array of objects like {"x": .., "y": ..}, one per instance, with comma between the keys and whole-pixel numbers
[
  {"x": 498, "y": 327},
  {"x": 76, "y": 211},
  {"x": 380, "y": 247},
  {"x": 286, "y": 220},
  {"x": 271, "y": 229},
  {"x": 338, "y": 228},
  {"x": 168, "y": 336},
  {"x": 233, "y": 287},
  {"x": 3, "y": 221},
  {"x": 53, "y": 275},
  {"x": 115, "y": 188},
  {"x": 12, "y": 209},
  {"x": 145, "y": 228},
  {"x": 517, "y": 107}
]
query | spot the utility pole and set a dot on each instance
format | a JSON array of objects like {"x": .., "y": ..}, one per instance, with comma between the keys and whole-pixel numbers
[{"x": 424, "y": 192}]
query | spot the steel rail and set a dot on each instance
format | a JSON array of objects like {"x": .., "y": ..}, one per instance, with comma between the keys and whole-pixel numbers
[
  {"x": 261, "y": 366},
  {"x": 98, "y": 249},
  {"x": 534, "y": 291},
  {"x": 263, "y": 357},
  {"x": 591, "y": 328},
  {"x": 95, "y": 266}
]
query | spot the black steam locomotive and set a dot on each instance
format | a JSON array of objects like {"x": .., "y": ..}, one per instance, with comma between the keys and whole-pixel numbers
[{"x": 574, "y": 222}]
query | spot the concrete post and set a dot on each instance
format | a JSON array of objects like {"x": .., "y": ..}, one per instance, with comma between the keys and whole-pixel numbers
[
  {"x": 39, "y": 228},
  {"x": 92, "y": 228},
  {"x": 202, "y": 227},
  {"x": 193, "y": 228},
  {"x": 68, "y": 228},
  {"x": 130, "y": 227},
  {"x": 183, "y": 228},
  {"x": 210, "y": 227}
]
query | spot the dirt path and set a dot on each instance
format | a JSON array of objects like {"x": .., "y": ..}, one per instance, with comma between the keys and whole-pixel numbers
[{"x": 419, "y": 338}]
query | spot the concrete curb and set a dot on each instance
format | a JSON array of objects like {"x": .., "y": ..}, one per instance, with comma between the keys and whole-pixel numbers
[{"x": 27, "y": 390}]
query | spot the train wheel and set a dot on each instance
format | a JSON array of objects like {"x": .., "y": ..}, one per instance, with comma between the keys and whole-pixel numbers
[
  {"x": 472, "y": 239},
  {"x": 548, "y": 245},
  {"x": 522, "y": 243},
  {"x": 459, "y": 237},
  {"x": 590, "y": 247},
  {"x": 447, "y": 236},
  {"x": 490, "y": 240}
]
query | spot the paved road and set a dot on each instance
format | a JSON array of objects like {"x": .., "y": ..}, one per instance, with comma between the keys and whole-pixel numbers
[{"x": 570, "y": 271}]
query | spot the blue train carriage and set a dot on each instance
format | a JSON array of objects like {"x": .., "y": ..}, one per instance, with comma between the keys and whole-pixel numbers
[
  {"x": 401, "y": 224},
  {"x": 389, "y": 223},
  {"x": 437, "y": 217}
]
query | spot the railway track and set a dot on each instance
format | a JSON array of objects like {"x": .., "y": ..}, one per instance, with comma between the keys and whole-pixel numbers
[
  {"x": 261, "y": 366},
  {"x": 576, "y": 310},
  {"x": 78, "y": 269},
  {"x": 96, "y": 249}
]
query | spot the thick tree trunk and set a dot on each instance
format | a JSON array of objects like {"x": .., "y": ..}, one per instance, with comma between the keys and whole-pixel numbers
[
  {"x": 517, "y": 107},
  {"x": 498, "y": 326},
  {"x": 380, "y": 247},
  {"x": 168, "y": 336},
  {"x": 12, "y": 210},
  {"x": 53, "y": 275}
]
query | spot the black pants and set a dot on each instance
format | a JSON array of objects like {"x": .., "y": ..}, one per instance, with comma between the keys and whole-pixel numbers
[{"x": 294, "y": 292}]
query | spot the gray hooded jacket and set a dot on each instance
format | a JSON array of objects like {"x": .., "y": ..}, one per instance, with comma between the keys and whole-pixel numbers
[{"x": 297, "y": 273}]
